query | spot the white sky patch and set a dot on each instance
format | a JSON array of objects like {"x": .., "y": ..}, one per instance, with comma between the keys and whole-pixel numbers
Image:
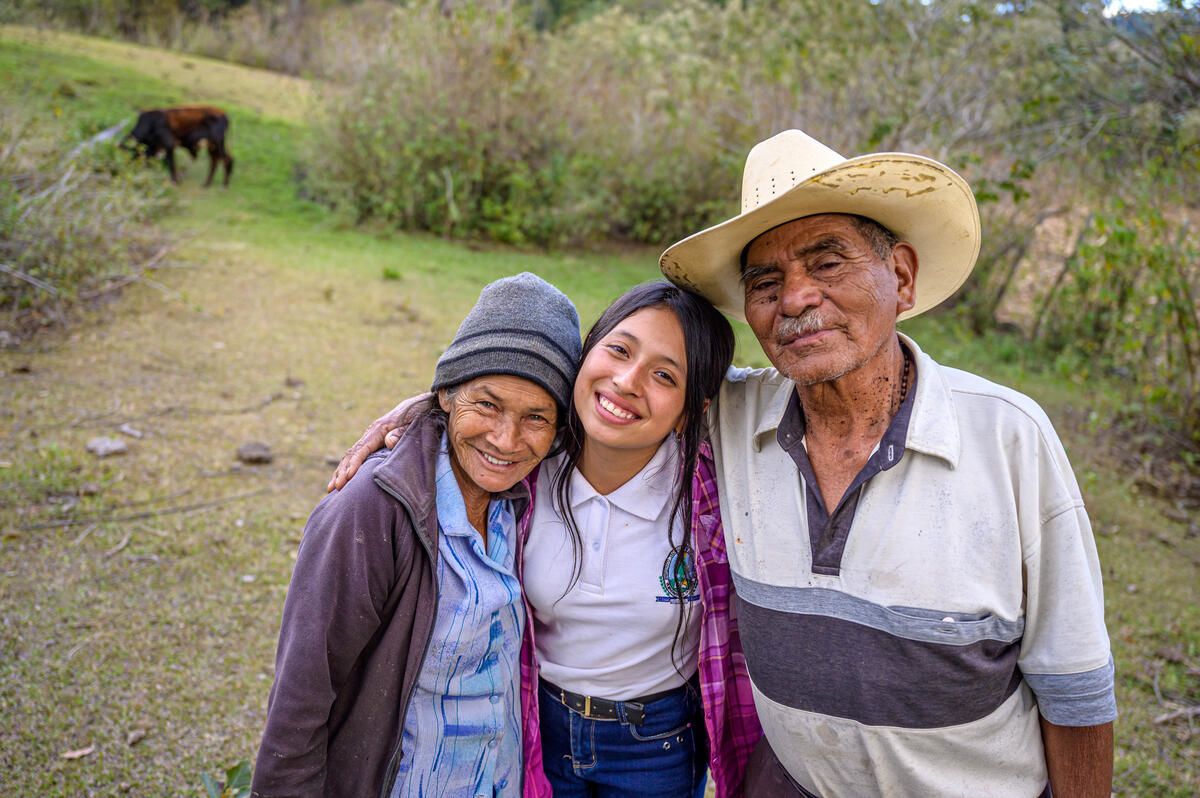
[{"x": 1118, "y": 6}]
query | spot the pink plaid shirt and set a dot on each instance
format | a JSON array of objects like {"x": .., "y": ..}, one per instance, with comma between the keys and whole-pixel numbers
[{"x": 729, "y": 713}]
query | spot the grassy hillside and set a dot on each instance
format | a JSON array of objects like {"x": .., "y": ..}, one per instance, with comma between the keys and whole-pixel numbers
[{"x": 141, "y": 593}]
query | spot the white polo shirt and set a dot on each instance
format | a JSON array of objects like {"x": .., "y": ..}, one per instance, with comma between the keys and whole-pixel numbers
[
  {"x": 955, "y": 595},
  {"x": 609, "y": 634}
]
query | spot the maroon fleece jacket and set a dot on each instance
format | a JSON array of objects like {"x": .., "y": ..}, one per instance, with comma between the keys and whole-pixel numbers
[{"x": 356, "y": 625}]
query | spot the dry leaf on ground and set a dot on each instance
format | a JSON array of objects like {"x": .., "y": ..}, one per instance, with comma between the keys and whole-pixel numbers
[{"x": 78, "y": 754}]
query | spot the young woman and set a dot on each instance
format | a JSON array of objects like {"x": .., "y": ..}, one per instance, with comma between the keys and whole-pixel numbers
[
  {"x": 633, "y": 682},
  {"x": 610, "y": 562}
]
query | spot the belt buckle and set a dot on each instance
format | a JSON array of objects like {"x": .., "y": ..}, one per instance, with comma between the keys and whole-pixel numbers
[
  {"x": 635, "y": 713},
  {"x": 587, "y": 703}
]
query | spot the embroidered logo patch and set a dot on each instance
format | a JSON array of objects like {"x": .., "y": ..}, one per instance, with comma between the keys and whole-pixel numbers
[{"x": 678, "y": 579}]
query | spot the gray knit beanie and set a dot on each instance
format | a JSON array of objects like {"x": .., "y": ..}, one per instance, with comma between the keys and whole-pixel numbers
[{"x": 521, "y": 326}]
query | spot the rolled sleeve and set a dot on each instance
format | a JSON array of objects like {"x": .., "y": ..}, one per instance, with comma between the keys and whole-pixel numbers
[
  {"x": 1065, "y": 655},
  {"x": 1076, "y": 699}
]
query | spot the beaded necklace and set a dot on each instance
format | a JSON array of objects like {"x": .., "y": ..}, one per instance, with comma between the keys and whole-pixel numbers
[{"x": 903, "y": 380}]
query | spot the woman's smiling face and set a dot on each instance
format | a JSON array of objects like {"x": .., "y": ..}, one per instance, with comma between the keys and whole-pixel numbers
[
  {"x": 631, "y": 386},
  {"x": 499, "y": 427}
]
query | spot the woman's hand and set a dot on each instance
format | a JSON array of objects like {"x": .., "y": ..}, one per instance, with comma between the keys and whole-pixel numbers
[{"x": 383, "y": 431}]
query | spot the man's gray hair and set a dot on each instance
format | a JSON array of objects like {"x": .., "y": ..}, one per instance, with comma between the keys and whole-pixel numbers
[{"x": 880, "y": 239}]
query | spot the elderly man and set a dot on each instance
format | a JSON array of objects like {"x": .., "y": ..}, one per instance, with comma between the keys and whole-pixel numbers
[{"x": 918, "y": 589}]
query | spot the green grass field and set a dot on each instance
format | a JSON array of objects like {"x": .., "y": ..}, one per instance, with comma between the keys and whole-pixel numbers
[{"x": 140, "y": 594}]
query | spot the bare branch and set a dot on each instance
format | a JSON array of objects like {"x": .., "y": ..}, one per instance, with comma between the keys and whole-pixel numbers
[
  {"x": 136, "y": 275},
  {"x": 28, "y": 278},
  {"x": 188, "y": 508},
  {"x": 1185, "y": 712}
]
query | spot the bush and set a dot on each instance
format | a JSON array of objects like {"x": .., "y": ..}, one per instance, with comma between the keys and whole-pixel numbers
[
  {"x": 1125, "y": 304},
  {"x": 72, "y": 225},
  {"x": 479, "y": 125},
  {"x": 634, "y": 127},
  {"x": 449, "y": 129}
]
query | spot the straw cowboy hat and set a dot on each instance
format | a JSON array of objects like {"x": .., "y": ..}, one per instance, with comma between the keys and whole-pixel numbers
[{"x": 792, "y": 175}]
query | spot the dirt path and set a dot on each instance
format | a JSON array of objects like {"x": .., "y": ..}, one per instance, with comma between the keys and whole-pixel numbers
[
  {"x": 133, "y": 627},
  {"x": 165, "y": 624}
]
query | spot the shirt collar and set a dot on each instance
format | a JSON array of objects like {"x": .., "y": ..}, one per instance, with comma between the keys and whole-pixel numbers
[
  {"x": 451, "y": 509},
  {"x": 772, "y": 415},
  {"x": 646, "y": 494},
  {"x": 932, "y": 426}
]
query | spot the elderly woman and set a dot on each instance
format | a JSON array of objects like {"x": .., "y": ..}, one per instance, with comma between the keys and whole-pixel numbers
[{"x": 397, "y": 671}]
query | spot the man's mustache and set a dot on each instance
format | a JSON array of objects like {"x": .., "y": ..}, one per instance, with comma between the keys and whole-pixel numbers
[{"x": 806, "y": 323}]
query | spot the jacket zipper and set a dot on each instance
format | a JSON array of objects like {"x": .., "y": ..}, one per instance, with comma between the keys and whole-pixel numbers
[{"x": 389, "y": 780}]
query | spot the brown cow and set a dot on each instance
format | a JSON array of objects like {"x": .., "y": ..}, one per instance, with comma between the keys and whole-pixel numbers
[{"x": 188, "y": 126}]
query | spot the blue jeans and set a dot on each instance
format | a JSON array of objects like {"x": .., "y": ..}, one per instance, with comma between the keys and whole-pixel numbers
[{"x": 665, "y": 757}]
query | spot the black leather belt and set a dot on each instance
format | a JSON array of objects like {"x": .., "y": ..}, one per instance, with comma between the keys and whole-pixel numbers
[{"x": 595, "y": 708}]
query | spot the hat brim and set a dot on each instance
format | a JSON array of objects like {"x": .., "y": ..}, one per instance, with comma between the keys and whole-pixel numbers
[{"x": 922, "y": 201}]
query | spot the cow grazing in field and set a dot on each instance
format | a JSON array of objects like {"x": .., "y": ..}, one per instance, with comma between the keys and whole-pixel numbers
[{"x": 188, "y": 126}]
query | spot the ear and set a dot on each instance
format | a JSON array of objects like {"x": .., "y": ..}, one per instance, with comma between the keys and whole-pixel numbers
[
  {"x": 443, "y": 398},
  {"x": 904, "y": 265}
]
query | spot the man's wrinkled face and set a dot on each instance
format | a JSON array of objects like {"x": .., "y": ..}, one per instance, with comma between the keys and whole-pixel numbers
[{"x": 820, "y": 300}]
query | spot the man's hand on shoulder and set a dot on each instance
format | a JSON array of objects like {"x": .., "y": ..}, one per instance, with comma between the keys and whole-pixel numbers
[{"x": 383, "y": 431}]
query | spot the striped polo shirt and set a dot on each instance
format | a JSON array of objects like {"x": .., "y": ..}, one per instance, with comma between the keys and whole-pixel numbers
[{"x": 905, "y": 641}]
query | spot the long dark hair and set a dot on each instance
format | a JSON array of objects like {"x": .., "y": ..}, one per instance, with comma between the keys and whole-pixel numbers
[{"x": 708, "y": 345}]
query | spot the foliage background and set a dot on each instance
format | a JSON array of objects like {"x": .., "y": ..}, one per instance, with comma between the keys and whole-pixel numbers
[
  {"x": 74, "y": 223},
  {"x": 1060, "y": 117},
  {"x": 535, "y": 131},
  {"x": 560, "y": 123}
]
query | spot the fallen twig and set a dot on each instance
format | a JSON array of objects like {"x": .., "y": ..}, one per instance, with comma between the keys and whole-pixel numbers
[
  {"x": 120, "y": 546},
  {"x": 110, "y": 419},
  {"x": 28, "y": 278},
  {"x": 82, "y": 752},
  {"x": 151, "y": 530},
  {"x": 155, "y": 284},
  {"x": 76, "y": 649},
  {"x": 136, "y": 275},
  {"x": 104, "y": 135},
  {"x": 103, "y": 515},
  {"x": 83, "y": 535},
  {"x": 55, "y": 188},
  {"x": 148, "y": 514},
  {"x": 1185, "y": 712}
]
